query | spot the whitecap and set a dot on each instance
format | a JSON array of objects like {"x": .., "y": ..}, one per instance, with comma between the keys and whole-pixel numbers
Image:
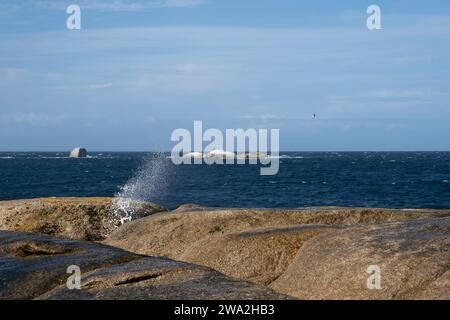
[
  {"x": 280, "y": 157},
  {"x": 217, "y": 153},
  {"x": 193, "y": 155}
]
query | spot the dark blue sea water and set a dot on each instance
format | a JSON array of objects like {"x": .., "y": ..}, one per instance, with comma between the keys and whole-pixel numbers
[{"x": 356, "y": 179}]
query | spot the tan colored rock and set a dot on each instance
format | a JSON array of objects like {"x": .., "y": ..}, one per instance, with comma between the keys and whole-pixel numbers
[
  {"x": 74, "y": 218},
  {"x": 413, "y": 257},
  {"x": 188, "y": 206},
  {"x": 254, "y": 245},
  {"x": 34, "y": 266},
  {"x": 170, "y": 234},
  {"x": 259, "y": 255},
  {"x": 162, "y": 279}
]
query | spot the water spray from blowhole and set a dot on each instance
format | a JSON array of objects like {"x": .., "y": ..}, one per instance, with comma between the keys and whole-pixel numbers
[{"x": 148, "y": 182}]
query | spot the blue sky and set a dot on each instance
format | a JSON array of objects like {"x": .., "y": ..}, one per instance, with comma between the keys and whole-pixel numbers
[{"x": 140, "y": 69}]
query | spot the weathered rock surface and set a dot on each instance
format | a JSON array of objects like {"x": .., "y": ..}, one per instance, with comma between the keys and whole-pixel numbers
[
  {"x": 258, "y": 255},
  {"x": 312, "y": 253},
  {"x": 78, "y": 153},
  {"x": 34, "y": 266},
  {"x": 170, "y": 233},
  {"x": 74, "y": 218},
  {"x": 413, "y": 257},
  {"x": 254, "y": 245}
]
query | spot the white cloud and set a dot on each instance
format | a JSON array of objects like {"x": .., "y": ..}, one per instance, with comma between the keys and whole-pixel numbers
[
  {"x": 100, "y": 86},
  {"x": 31, "y": 118},
  {"x": 13, "y": 73},
  {"x": 181, "y": 3},
  {"x": 414, "y": 93},
  {"x": 119, "y": 5},
  {"x": 269, "y": 117},
  {"x": 177, "y": 83}
]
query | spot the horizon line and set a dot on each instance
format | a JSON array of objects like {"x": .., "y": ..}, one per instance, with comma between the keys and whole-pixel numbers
[{"x": 156, "y": 151}]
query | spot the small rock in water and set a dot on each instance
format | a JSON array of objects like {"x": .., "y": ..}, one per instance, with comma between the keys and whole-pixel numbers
[{"x": 78, "y": 153}]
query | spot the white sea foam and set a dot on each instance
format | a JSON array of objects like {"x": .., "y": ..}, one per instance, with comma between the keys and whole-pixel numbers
[
  {"x": 220, "y": 154},
  {"x": 194, "y": 155},
  {"x": 226, "y": 154},
  {"x": 284, "y": 156},
  {"x": 148, "y": 181}
]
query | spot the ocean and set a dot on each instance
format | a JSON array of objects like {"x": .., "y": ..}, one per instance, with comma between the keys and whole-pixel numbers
[{"x": 352, "y": 179}]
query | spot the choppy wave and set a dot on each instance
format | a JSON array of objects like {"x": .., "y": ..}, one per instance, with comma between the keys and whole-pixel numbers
[
  {"x": 286, "y": 157},
  {"x": 270, "y": 157},
  {"x": 352, "y": 179},
  {"x": 56, "y": 156}
]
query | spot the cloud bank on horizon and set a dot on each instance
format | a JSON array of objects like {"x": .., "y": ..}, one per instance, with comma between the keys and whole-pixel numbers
[{"x": 137, "y": 70}]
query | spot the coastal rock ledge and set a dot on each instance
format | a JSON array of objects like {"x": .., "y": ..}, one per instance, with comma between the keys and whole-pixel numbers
[
  {"x": 74, "y": 218},
  {"x": 195, "y": 252},
  {"x": 315, "y": 253},
  {"x": 34, "y": 266}
]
